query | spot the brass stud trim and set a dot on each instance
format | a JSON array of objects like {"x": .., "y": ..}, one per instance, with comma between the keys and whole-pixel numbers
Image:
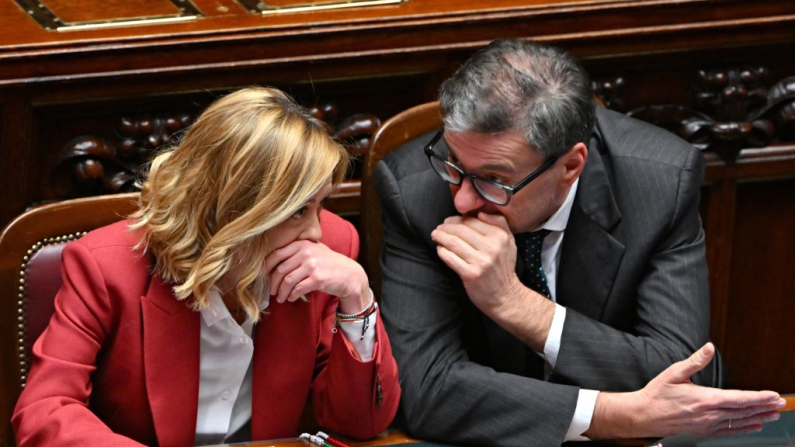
[{"x": 23, "y": 361}]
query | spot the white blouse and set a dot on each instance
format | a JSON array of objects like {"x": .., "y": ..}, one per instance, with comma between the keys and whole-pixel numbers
[{"x": 225, "y": 369}]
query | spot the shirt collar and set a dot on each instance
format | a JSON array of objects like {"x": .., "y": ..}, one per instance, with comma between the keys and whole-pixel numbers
[
  {"x": 560, "y": 219},
  {"x": 216, "y": 309}
]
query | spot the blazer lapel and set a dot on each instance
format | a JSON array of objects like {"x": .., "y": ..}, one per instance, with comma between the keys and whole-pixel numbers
[
  {"x": 171, "y": 362},
  {"x": 590, "y": 255},
  {"x": 283, "y": 367}
]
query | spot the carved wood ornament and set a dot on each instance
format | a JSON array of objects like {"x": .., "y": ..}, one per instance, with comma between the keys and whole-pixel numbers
[
  {"x": 610, "y": 92},
  {"x": 90, "y": 165},
  {"x": 733, "y": 110}
]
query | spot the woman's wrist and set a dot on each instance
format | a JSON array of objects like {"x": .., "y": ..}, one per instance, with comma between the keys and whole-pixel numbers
[
  {"x": 362, "y": 316},
  {"x": 358, "y": 304}
]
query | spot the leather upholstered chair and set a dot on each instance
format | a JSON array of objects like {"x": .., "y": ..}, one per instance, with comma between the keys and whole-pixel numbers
[
  {"x": 30, "y": 276},
  {"x": 394, "y": 132}
]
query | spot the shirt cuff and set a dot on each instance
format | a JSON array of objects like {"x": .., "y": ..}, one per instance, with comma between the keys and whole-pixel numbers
[
  {"x": 353, "y": 332},
  {"x": 583, "y": 414},
  {"x": 552, "y": 346}
]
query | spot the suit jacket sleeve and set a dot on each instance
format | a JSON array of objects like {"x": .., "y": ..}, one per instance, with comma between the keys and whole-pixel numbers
[
  {"x": 446, "y": 395},
  {"x": 350, "y": 396},
  {"x": 53, "y": 408}
]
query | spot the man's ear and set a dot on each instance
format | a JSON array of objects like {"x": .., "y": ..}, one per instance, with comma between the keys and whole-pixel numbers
[{"x": 574, "y": 162}]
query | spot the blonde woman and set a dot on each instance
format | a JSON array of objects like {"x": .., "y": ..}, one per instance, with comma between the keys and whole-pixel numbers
[{"x": 227, "y": 301}]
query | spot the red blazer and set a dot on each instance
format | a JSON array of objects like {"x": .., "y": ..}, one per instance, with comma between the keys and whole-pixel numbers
[{"x": 119, "y": 362}]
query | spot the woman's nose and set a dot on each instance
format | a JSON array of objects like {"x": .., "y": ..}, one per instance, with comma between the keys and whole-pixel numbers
[{"x": 312, "y": 231}]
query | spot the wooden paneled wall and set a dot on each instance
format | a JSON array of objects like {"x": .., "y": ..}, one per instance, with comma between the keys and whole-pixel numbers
[{"x": 81, "y": 109}]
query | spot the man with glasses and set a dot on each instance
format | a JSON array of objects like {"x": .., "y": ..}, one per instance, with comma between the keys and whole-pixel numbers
[{"x": 606, "y": 291}]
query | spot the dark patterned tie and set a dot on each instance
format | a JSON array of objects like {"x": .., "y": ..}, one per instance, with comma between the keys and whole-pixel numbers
[{"x": 528, "y": 247}]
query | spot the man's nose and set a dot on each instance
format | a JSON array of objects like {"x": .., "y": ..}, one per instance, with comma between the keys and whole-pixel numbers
[{"x": 466, "y": 198}]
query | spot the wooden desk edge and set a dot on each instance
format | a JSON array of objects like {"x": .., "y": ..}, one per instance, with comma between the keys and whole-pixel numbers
[
  {"x": 790, "y": 398},
  {"x": 389, "y": 437},
  {"x": 392, "y": 437}
]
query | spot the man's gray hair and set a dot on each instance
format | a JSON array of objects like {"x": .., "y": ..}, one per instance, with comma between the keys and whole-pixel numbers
[{"x": 538, "y": 91}]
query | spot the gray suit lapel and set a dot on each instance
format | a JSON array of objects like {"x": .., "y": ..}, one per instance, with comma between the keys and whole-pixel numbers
[{"x": 590, "y": 255}]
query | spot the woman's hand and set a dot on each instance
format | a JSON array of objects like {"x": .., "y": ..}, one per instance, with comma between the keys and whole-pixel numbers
[{"x": 303, "y": 266}]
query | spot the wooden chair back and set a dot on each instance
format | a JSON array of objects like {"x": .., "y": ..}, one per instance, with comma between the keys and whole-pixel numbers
[
  {"x": 401, "y": 128},
  {"x": 30, "y": 276}
]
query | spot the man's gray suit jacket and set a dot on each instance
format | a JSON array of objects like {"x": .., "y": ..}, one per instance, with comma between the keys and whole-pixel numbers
[{"x": 632, "y": 276}]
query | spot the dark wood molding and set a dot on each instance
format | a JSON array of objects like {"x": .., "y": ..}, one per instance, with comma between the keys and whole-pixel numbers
[{"x": 424, "y": 27}]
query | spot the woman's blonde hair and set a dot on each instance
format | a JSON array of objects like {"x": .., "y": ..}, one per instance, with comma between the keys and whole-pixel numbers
[{"x": 249, "y": 162}]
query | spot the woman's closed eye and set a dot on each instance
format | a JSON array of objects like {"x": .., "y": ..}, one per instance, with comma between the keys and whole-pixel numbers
[{"x": 300, "y": 212}]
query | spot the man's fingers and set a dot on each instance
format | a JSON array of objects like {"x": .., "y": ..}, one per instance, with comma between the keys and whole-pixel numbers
[
  {"x": 760, "y": 418},
  {"x": 752, "y": 400},
  {"x": 745, "y": 424},
  {"x": 754, "y": 428},
  {"x": 682, "y": 371},
  {"x": 454, "y": 243},
  {"x": 461, "y": 230},
  {"x": 497, "y": 220},
  {"x": 452, "y": 260},
  {"x": 481, "y": 236},
  {"x": 485, "y": 224},
  {"x": 471, "y": 236}
]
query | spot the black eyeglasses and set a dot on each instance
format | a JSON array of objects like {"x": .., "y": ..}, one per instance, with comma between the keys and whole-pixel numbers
[{"x": 493, "y": 191}]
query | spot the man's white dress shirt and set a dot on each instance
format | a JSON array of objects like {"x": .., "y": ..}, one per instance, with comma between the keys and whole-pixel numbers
[{"x": 550, "y": 261}]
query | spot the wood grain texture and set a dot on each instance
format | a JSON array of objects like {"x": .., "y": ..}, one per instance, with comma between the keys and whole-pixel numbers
[{"x": 89, "y": 11}]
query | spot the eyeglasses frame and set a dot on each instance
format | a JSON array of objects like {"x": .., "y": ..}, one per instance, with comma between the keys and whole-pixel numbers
[{"x": 511, "y": 190}]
